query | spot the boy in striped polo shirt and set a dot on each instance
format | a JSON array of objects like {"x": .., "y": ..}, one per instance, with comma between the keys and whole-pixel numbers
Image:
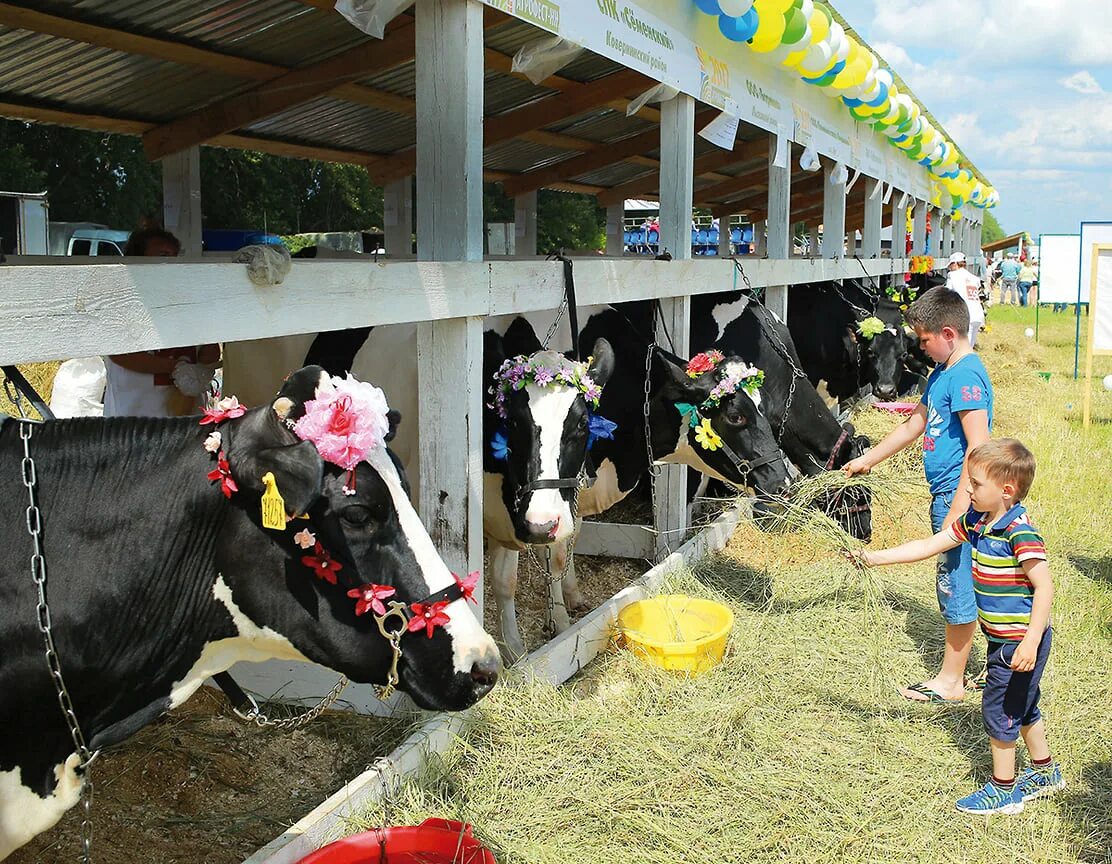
[{"x": 1014, "y": 591}]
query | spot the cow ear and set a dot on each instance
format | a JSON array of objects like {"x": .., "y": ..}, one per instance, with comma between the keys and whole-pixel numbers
[
  {"x": 672, "y": 379},
  {"x": 394, "y": 418},
  {"x": 521, "y": 339},
  {"x": 602, "y": 362},
  {"x": 259, "y": 444}
]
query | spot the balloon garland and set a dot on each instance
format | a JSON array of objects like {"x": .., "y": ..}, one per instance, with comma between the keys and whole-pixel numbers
[{"x": 803, "y": 37}]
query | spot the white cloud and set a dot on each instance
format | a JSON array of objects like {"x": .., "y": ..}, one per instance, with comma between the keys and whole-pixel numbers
[{"x": 1082, "y": 82}]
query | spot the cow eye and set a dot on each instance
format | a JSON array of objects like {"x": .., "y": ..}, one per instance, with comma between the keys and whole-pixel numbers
[{"x": 357, "y": 514}]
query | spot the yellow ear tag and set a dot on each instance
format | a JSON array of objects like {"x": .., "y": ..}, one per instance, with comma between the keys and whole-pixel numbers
[{"x": 274, "y": 508}]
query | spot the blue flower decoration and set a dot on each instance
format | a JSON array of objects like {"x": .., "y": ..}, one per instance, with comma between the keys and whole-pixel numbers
[
  {"x": 500, "y": 445},
  {"x": 599, "y": 427}
]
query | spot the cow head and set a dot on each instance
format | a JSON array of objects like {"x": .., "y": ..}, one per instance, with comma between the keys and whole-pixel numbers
[
  {"x": 359, "y": 518},
  {"x": 882, "y": 349},
  {"x": 537, "y": 427},
  {"x": 850, "y": 507},
  {"x": 678, "y": 435}
]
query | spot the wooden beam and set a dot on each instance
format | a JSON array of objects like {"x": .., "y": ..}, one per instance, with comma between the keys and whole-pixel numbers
[
  {"x": 779, "y": 225},
  {"x": 704, "y": 166},
  {"x": 833, "y": 215},
  {"x": 751, "y": 180},
  {"x": 278, "y": 94},
  {"x": 536, "y": 115}
]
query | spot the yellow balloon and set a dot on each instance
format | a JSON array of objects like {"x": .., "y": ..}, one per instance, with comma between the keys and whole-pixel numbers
[
  {"x": 820, "y": 24},
  {"x": 770, "y": 29},
  {"x": 780, "y": 6}
]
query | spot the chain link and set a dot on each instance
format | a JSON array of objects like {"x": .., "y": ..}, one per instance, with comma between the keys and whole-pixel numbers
[
  {"x": 38, "y": 576},
  {"x": 15, "y": 397},
  {"x": 288, "y": 724}
]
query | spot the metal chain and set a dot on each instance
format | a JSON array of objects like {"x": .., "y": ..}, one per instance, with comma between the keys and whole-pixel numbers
[
  {"x": 654, "y": 469},
  {"x": 15, "y": 397},
  {"x": 38, "y": 576},
  {"x": 255, "y": 715},
  {"x": 546, "y": 566},
  {"x": 556, "y": 323}
]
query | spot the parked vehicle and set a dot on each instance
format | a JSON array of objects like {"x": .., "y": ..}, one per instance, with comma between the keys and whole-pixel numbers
[
  {"x": 97, "y": 242},
  {"x": 229, "y": 240},
  {"x": 23, "y": 223}
]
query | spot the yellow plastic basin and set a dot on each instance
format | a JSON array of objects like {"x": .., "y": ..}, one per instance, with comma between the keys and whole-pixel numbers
[{"x": 683, "y": 634}]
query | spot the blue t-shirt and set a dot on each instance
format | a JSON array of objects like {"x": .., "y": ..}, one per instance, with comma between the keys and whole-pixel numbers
[
  {"x": 1010, "y": 269},
  {"x": 962, "y": 387}
]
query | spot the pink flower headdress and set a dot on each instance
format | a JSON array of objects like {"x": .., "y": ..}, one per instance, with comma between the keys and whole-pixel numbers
[{"x": 346, "y": 421}]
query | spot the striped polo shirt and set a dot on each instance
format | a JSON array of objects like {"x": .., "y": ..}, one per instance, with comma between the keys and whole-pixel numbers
[{"x": 1004, "y": 593}]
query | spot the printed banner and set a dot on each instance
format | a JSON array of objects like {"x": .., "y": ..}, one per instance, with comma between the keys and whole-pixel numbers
[{"x": 672, "y": 42}]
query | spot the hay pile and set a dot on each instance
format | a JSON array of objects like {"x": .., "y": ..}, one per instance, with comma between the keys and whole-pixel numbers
[{"x": 797, "y": 748}]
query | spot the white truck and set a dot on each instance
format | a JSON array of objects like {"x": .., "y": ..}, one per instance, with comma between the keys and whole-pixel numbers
[{"x": 24, "y": 218}]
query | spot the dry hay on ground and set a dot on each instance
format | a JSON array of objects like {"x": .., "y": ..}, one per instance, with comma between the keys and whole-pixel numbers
[
  {"x": 38, "y": 375},
  {"x": 798, "y": 747}
]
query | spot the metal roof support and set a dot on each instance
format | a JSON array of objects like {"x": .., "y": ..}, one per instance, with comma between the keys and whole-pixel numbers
[
  {"x": 833, "y": 213},
  {"x": 181, "y": 198},
  {"x": 779, "y": 225},
  {"x": 449, "y": 163},
  {"x": 525, "y": 223},
  {"x": 919, "y": 228},
  {"x": 397, "y": 218},
  {"x": 677, "y": 167},
  {"x": 615, "y": 230}
]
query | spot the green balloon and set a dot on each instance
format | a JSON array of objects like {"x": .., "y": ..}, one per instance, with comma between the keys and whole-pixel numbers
[{"x": 796, "y": 26}]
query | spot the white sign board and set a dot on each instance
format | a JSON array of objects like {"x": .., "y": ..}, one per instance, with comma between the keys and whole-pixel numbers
[
  {"x": 1059, "y": 267},
  {"x": 1092, "y": 233},
  {"x": 1101, "y": 303}
]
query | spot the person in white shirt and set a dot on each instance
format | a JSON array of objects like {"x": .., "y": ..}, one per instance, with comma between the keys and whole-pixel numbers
[{"x": 968, "y": 287}]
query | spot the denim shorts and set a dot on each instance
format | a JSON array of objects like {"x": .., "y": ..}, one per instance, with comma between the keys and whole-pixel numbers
[
  {"x": 954, "y": 578},
  {"x": 1011, "y": 699}
]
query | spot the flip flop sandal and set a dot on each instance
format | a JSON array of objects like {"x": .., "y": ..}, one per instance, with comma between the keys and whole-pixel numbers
[
  {"x": 933, "y": 697},
  {"x": 976, "y": 684}
]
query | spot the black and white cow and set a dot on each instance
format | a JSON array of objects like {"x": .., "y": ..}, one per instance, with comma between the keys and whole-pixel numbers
[
  {"x": 735, "y": 323},
  {"x": 157, "y": 580},
  {"x": 825, "y": 321}
]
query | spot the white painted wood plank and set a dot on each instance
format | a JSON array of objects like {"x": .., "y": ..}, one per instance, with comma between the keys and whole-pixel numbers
[
  {"x": 919, "y": 229},
  {"x": 71, "y": 309},
  {"x": 833, "y": 213},
  {"x": 615, "y": 230},
  {"x": 181, "y": 198},
  {"x": 933, "y": 244},
  {"x": 778, "y": 226},
  {"x": 618, "y": 540},
  {"x": 874, "y": 215},
  {"x": 397, "y": 218},
  {"x": 525, "y": 224}
]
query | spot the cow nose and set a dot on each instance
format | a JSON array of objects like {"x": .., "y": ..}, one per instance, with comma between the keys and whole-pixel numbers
[
  {"x": 485, "y": 675},
  {"x": 887, "y": 393},
  {"x": 542, "y": 532}
]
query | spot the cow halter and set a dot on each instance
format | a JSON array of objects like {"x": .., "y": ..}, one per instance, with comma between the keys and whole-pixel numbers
[{"x": 345, "y": 422}]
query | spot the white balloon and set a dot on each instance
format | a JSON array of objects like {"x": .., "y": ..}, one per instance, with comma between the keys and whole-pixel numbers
[
  {"x": 1108, "y": 382},
  {"x": 1030, "y": 333},
  {"x": 884, "y": 76},
  {"x": 807, "y": 8},
  {"x": 735, "y": 8}
]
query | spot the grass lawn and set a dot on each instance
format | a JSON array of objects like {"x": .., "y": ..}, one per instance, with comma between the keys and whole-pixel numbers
[{"x": 798, "y": 748}]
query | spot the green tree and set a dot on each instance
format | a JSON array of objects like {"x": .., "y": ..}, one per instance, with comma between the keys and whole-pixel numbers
[
  {"x": 991, "y": 231},
  {"x": 568, "y": 220}
]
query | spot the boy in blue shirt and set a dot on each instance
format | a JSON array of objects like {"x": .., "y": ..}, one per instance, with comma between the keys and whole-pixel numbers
[
  {"x": 954, "y": 416},
  {"x": 1014, "y": 593}
]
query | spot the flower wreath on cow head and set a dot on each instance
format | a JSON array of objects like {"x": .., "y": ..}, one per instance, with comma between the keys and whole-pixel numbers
[
  {"x": 734, "y": 377},
  {"x": 345, "y": 422},
  {"x": 546, "y": 369}
]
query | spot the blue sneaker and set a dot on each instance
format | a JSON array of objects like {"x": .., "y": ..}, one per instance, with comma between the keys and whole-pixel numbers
[
  {"x": 1035, "y": 783},
  {"x": 990, "y": 799}
]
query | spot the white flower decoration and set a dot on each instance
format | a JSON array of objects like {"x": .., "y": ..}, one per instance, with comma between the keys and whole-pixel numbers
[
  {"x": 305, "y": 538},
  {"x": 212, "y": 442}
]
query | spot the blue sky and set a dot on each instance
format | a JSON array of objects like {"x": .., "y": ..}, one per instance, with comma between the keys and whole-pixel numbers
[{"x": 1024, "y": 87}]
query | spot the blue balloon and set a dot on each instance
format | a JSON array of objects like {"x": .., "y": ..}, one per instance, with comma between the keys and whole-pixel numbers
[
  {"x": 876, "y": 103},
  {"x": 710, "y": 7},
  {"x": 852, "y": 103},
  {"x": 827, "y": 76},
  {"x": 739, "y": 29}
]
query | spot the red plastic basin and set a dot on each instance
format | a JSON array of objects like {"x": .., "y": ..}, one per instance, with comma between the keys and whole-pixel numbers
[
  {"x": 896, "y": 407},
  {"x": 434, "y": 841}
]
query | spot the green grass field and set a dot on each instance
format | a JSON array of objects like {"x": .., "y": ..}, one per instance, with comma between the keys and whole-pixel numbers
[{"x": 798, "y": 748}]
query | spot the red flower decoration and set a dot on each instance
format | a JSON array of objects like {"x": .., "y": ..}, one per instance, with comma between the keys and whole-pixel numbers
[
  {"x": 428, "y": 617},
  {"x": 467, "y": 586},
  {"x": 227, "y": 408},
  {"x": 343, "y": 418},
  {"x": 223, "y": 473},
  {"x": 323, "y": 565},
  {"x": 703, "y": 362},
  {"x": 370, "y": 596}
]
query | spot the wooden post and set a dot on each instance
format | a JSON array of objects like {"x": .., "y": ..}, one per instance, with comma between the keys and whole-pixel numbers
[
  {"x": 615, "y": 230},
  {"x": 449, "y": 73},
  {"x": 813, "y": 231},
  {"x": 724, "y": 248},
  {"x": 181, "y": 198},
  {"x": 934, "y": 237},
  {"x": 899, "y": 225},
  {"x": 677, "y": 161},
  {"x": 779, "y": 227},
  {"x": 919, "y": 229},
  {"x": 874, "y": 217},
  {"x": 833, "y": 214},
  {"x": 525, "y": 224},
  {"x": 760, "y": 242},
  {"x": 397, "y": 218},
  {"x": 947, "y": 248}
]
